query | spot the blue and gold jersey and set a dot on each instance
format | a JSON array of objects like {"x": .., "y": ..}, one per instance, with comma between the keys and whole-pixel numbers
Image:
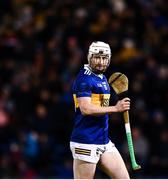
[{"x": 90, "y": 129}]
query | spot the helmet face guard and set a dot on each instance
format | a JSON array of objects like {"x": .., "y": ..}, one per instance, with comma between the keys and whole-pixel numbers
[{"x": 99, "y": 56}]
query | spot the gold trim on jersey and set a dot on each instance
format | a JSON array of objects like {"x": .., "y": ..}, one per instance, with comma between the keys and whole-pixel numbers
[
  {"x": 75, "y": 101},
  {"x": 96, "y": 99}
]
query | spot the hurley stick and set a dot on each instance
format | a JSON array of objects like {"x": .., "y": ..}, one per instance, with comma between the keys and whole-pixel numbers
[{"x": 119, "y": 82}]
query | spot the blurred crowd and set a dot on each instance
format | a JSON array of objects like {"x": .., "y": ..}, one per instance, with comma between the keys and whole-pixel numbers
[{"x": 43, "y": 45}]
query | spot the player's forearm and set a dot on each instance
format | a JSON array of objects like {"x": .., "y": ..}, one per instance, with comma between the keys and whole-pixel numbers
[{"x": 97, "y": 110}]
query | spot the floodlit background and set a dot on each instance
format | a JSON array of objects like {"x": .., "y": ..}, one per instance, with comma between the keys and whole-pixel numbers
[{"x": 43, "y": 45}]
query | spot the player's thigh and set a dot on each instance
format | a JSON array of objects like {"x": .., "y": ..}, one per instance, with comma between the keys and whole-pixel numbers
[
  {"x": 83, "y": 169},
  {"x": 113, "y": 165}
]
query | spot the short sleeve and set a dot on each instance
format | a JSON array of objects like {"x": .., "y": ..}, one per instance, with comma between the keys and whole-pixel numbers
[{"x": 83, "y": 88}]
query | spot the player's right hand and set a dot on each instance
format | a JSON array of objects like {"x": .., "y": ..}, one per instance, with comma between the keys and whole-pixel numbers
[{"x": 123, "y": 105}]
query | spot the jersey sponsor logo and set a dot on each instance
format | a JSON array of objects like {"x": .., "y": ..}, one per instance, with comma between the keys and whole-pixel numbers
[
  {"x": 105, "y": 102},
  {"x": 100, "y": 99},
  {"x": 82, "y": 151},
  {"x": 96, "y": 99}
]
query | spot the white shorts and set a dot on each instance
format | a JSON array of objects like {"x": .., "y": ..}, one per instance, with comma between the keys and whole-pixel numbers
[{"x": 90, "y": 152}]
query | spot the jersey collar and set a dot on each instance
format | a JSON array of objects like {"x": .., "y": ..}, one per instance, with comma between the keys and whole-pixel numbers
[{"x": 86, "y": 66}]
